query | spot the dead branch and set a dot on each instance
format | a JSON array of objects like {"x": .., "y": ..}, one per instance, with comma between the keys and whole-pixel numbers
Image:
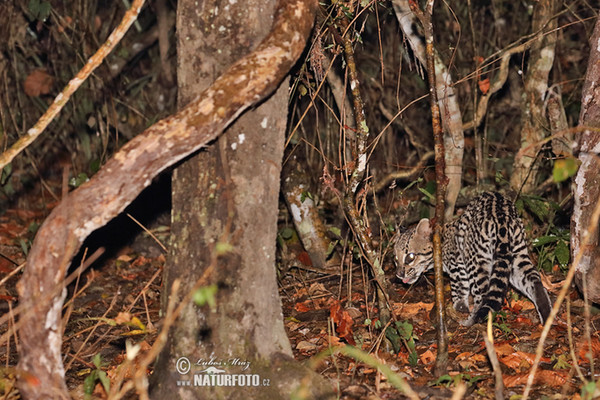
[
  {"x": 125, "y": 175},
  {"x": 357, "y": 172}
]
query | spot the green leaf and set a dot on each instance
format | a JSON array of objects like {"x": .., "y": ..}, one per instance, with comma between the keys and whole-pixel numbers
[
  {"x": 539, "y": 207},
  {"x": 562, "y": 253},
  {"x": 428, "y": 195},
  {"x": 287, "y": 233},
  {"x": 392, "y": 335},
  {"x": 331, "y": 247},
  {"x": 206, "y": 295},
  {"x": 95, "y": 165},
  {"x": 413, "y": 358},
  {"x": 336, "y": 231},
  {"x": 78, "y": 180},
  {"x": 564, "y": 168},
  {"x": 103, "y": 378},
  {"x": 544, "y": 240},
  {"x": 588, "y": 390},
  {"x": 304, "y": 195},
  {"x": 442, "y": 380},
  {"x": 97, "y": 360},
  {"x": 562, "y": 363},
  {"x": 89, "y": 383},
  {"x": 405, "y": 329},
  {"x": 44, "y": 11},
  {"x": 6, "y": 172}
]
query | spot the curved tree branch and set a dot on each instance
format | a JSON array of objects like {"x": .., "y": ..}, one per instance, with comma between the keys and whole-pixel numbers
[{"x": 131, "y": 170}]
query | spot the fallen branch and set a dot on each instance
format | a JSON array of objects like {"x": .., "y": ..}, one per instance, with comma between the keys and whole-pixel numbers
[{"x": 125, "y": 175}]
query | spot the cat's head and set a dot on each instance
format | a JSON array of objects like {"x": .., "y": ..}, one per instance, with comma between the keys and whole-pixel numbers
[{"x": 414, "y": 252}]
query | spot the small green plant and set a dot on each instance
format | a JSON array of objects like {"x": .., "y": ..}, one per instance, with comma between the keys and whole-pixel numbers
[
  {"x": 499, "y": 321},
  {"x": 401, "y": 333},
  {"x": 454, "y": 380},
  {"x": 553, "y": 248},
  {"x": 96, "y": 375},
  {"x": 561, "y": 362}
]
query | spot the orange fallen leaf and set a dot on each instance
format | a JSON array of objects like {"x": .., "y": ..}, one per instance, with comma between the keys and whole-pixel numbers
[
  {"x": 514, "y": 361},
  {"x": 427, "y": 357},
  {"x": 38, "y": 82},
  {"x": 520, "y": 359},
  {"x": 503, "y": 348},
  {"x": 542, "y": 377},
  {"x": 301, "y": 307},
  {"x": 584, "y": 349},
  {"x": 408, "y": 310},
  {"x": 343, "y": 320}
]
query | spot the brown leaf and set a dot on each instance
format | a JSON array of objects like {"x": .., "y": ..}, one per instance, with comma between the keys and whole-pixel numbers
[
  {"x": 408, "y": 310},
  {"x": 542, "y": 377},
  {"x": 123, "y": 317},
  {"x": 301, "y": 307},
  {"x": 38, "y": 82},
  {"x": 304, "y": 258},
  {"x": 427, "y": 357}
]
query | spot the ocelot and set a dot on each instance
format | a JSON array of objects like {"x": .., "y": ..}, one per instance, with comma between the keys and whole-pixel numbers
[{"x": 483, "y": 250}]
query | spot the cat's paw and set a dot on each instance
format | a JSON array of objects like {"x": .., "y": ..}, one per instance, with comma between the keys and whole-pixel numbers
[
  {"x": 468, "y": 322},
  {"x": 461, "y": 306}
]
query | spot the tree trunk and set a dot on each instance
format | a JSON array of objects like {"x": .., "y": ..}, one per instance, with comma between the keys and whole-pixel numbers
[
  {"x": 586, "y": 187},
  {"x": 225, "y": 205},
  {"x": 533, "y": 116}
]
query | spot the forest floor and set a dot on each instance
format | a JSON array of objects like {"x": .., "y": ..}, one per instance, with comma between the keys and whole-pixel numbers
[{"x": 118, "y": 300}]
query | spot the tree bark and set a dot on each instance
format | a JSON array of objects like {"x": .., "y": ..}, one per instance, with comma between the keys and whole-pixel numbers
[
  {"x": 226, "y": 197},
  {"x": 586, "y": 187},
  {"x": 124, "y": 176},
  {"x": 533, "y": 117}
]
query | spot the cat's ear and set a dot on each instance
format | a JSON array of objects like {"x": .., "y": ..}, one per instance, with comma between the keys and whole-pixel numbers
[{"x": 424, "y": 228}]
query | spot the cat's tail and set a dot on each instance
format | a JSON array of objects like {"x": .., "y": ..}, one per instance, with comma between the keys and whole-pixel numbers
[{"x": 526, "y": 279}]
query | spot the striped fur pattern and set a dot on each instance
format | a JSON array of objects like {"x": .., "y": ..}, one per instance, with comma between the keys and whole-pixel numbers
[{"x": 483, "y": 251}]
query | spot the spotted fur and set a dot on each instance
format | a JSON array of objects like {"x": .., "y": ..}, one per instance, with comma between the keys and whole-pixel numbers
[{"x": 483, "y": 251}]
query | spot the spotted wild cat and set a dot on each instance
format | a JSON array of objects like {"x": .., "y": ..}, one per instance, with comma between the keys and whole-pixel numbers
[{"x": 483, "y": 251}]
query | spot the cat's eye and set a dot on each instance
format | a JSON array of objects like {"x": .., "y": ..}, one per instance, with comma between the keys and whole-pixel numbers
[{"x": 410, "y": 257}]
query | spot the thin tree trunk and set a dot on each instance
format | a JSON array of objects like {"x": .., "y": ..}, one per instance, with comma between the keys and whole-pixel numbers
[{"x": 533, "y": 118}]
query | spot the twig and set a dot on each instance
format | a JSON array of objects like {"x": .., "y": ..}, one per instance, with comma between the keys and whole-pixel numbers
[
  {"x": 356, "y": 177},
  {"x": 148, "y": 232},
  {"x": 63, "y": 97},
  {"x": 441, "y": 362},
  {"x": 489, "y": 346},
  {"x": 571, "y": 346}
]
